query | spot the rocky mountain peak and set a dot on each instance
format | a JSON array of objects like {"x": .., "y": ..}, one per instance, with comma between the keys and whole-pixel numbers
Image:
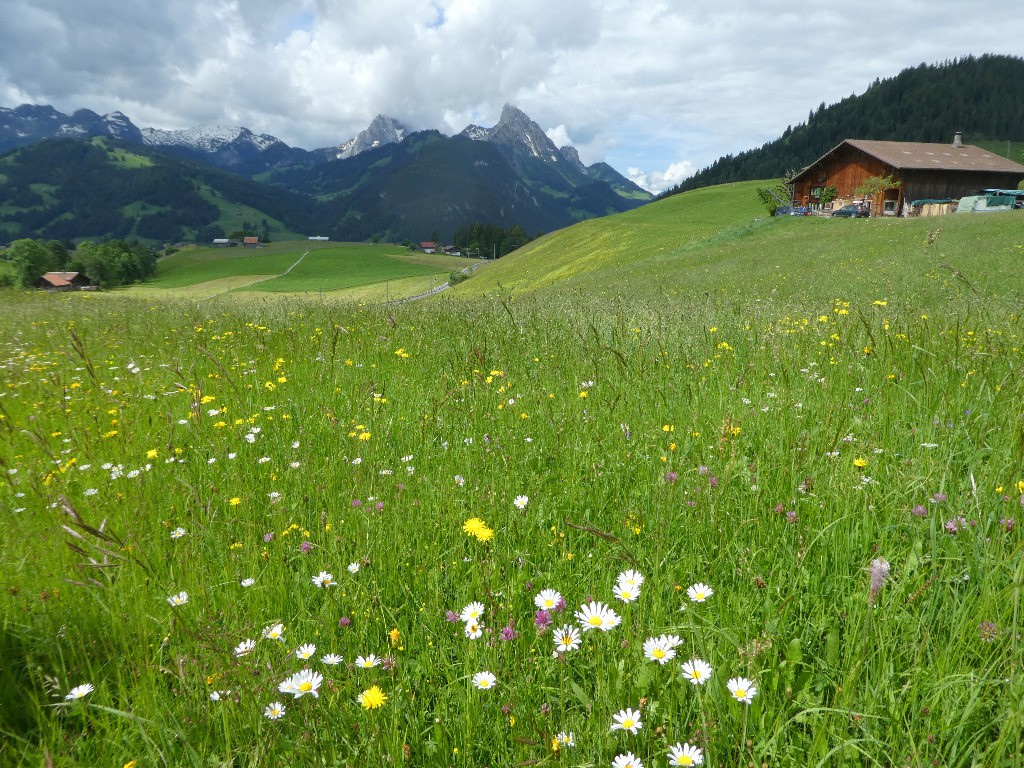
[
  {"x": 382, "y": 130},
  {"x": 573, "y": 158},
  {"x": 515, "y": 128}
]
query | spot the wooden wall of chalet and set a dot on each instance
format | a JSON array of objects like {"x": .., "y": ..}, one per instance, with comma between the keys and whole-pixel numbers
[
  {"x": 845, "y": 171},
  {"x": 940, "y": 185}
]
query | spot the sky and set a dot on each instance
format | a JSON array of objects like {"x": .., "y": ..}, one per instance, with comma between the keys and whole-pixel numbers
[{"x": 656, "y": 89}]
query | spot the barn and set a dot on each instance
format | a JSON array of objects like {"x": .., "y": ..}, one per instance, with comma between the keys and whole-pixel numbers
[
  {"x": 63, "y": 281},
  {"x": 925, "y": 171}
]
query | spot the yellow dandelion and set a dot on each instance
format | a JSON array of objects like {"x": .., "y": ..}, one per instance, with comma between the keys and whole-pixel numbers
[
  {"x": 372, "y": 698},
  {"x": 234, "y": 501}
]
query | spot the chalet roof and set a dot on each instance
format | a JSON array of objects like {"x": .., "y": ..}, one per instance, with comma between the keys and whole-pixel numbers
[
  {"x": 920, "y": 156},
  {"x": 59, "y": 279},
  {"x": 250, "y": 240}
]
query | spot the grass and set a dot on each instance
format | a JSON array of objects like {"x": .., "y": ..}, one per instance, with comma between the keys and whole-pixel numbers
[
  {"x": 776, "y": 449},
  {"x": 707, "y": 242},
  {"x": 325, "y": 267}
]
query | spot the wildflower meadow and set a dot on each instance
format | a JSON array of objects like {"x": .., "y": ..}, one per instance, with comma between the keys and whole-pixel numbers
[{"x": 510, "y": 532}]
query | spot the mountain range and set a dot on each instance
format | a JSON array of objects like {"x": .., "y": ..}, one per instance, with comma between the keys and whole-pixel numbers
[{"x": 386, "y": 182}]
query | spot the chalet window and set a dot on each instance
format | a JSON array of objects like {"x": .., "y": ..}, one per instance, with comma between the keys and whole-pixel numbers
[{"x": 815, "y": 191}]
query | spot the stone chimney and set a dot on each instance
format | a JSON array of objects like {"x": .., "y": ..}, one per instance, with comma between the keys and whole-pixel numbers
[{"x": 958, "y": 139}]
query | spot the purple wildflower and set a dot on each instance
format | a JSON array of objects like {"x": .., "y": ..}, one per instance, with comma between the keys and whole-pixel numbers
[
  {"x": 508, "y": 632},
  {"x": 939, "y": 498},
  {"x": 541, "y": 619},
  {"x": 919, "y": 511},
  {"x": 344, "y": 621},
  {"x": 388, "y": 663},
  {"x": 702, "y": 470},
  {"x": 306, "y": 546},
  {"x": 268, "y": 536},
  {"x": 380, "y": 505},
  {"x": 451, "y": 617},
  {"x": 561, "y": 606},
  {"x": 671, "y": 477},
  {"x": 791, "y": 516},
  {"x": 357, "y": 502},
  {"x": 988, "y": 631},
  {"x": 1008, "y": 523},
  {"x": 713, "y": 482}
]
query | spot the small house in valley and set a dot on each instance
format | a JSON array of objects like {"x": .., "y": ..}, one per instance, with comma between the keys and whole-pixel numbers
[
  {"x": 63, "y": 281},
  {"x": 920, "y": 171}
]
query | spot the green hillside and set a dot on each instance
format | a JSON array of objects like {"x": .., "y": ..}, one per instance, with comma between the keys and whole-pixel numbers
[{"x": 717, "y": 241}]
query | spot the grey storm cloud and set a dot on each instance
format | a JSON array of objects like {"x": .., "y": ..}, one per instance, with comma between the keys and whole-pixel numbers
[{"x": 661, "y": 88}]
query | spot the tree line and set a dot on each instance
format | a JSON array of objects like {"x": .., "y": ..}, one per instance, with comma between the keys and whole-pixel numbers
[
  {"x": 490, "y": 240},
  {"x": 980, "y": 96},
  {"x": 108, "y": 264}
]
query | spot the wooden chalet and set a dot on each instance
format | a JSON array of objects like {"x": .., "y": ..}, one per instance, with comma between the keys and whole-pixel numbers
[
  {"x": 926, "y": 172},
  {"x": 63, "y": 281}
]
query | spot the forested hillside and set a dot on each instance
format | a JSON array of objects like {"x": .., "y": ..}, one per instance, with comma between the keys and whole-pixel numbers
[{"x": 983, "y": 97}]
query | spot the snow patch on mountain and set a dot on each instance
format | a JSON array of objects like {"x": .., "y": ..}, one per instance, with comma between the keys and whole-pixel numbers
[{"x": 204, "y": 138}]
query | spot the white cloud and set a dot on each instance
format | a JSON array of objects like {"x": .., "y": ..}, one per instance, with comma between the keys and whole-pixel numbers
[
  {"x": 633, "y": 83},
  {"x": 559, "y": 135},
  {"x": 659, "y": 181}
]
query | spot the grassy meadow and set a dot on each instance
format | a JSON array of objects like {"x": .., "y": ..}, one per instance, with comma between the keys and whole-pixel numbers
[
  {"x": 351, "y": 270},
  {"x": 607, "y": 511}
]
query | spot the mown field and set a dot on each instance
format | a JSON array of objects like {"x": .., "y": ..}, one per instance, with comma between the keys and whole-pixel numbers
[
  {"x": 812, "y": 494},
  {"x": 299, "y": 267}
]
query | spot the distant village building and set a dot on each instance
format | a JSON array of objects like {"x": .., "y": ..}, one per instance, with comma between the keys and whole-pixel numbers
[
  {"x": 428, "y": 247},
  {"x": 452, "y": 250},
  {"x": 925, "y": 171},
  {"x": 221, "y": 242},
  {"x": 251, "y": 242},
  {"x": 63, "y": 281},
  {"x": 318, "y": 237}
]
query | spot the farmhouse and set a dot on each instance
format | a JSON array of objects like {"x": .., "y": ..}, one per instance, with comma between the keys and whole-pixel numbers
[
  {"x": 63, "y": 281},
  {"x": 251, "y": 242},
  {"x": 925, "y": 171},
  {"x": 428, "y": 247}
]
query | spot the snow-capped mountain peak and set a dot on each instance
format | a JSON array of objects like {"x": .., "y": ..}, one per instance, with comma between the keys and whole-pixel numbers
[
  {"x": 204, "y": 138},
  {"x": 382, "y": 130}
]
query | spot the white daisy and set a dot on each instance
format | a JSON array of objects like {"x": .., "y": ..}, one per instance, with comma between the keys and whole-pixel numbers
[
  {"x": 472, "y": 612},
  {"x": 697, "y": 671},
  {"x": 595, "y": 615},
  {"x": 567, "y": 638},
  {"x": 301, "y": 683},
  {"x": 627, "y": 760},
  {"x": 247, "y": 582},
  {"x": 274, "y": 632},
  {"x": 353, "y": 567},
  {"x": 484, "y": 680},
  {"x": 698, "y": 593},
  {"x": 245, "y": 647},
  {"x": 742, "y": 690},
  {"x": 331, "y": 659},
  {"x": 547, "y": 599},
  {"x": 179, "y": 599},
  {"x": 274, "y": 711},
  {"x": 177, "y": 533},
  {"x": 566, "y": 739},
  {"x": 79, "y": 692},
  {"x": 521, "y": 502},
  {"x": 625, "y": 592},
  {"x": 659, "y": 649},
  {"x": 632, "y": 578},
  {"x": 324, "y": 580},
  {"x": 305, "y": 650},
  {"x": 474, "y": 630},
  {"x": 368, "y": 662},
  {"x": 627, "y": 720},
  {"x": 685, "y": 754}
]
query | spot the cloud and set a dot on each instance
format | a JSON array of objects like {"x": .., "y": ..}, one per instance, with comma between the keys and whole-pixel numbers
[
  {"x": 636, "y": 84},
  {"x": 659, "y": 181}
]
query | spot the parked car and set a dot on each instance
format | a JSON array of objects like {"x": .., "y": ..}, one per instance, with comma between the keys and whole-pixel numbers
[
  {"x": 792, "y": 210},
  {"x": 852, "y": 211}
]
